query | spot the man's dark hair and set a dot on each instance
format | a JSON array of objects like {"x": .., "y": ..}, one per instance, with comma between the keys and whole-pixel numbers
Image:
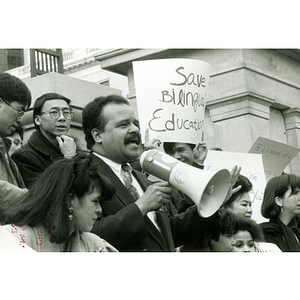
[
  {"x": 14, "y": 89},
  {"x": 92, "y": 116},
  {"x": 169, "y": 147},
  {"x": 39, "y": 102},
  {"x": 247, "y": 224}
]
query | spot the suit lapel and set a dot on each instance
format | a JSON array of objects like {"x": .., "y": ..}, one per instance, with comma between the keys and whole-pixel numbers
[
  {"x": 155, "y": 233},
  {"x": 125, "y": 197},
  {"x": 121, "y": 192},
  {"x": 163, "y": 223}
]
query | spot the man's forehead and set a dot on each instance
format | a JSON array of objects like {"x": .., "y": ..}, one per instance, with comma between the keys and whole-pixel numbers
[
  {"x": 118, "y": 111},
  {"x": 55, "y": 103}
]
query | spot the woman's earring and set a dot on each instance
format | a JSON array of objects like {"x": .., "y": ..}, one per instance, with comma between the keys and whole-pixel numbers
[{"x": 70, "y": 215}]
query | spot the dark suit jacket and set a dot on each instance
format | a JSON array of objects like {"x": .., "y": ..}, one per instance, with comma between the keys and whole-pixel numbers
[
  {"x": 286, "y": 237},
  {"x": 126, "y": 229},
  {"x": 35, "y": 156}
]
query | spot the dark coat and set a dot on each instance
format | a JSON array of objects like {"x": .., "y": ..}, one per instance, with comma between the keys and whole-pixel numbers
[
  {"x": 125, "y": 228},
  {"x": 35, "y": 156},
  {"x": 10, "y": 170},
  {"x": 285, "y": 237}
]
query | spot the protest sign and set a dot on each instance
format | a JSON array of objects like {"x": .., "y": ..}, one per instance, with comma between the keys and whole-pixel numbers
[
  {"x": 252, "y": 168},
  {"x": 171, "y": 98},
  {"x": 276, "y": 156}
]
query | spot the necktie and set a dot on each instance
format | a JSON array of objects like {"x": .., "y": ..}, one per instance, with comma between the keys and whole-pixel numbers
[
  {"x": 128, "y": 181},
  {"x": 126, "y": 170}
]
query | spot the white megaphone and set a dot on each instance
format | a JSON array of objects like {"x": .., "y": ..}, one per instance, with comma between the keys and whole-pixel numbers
[{"x": 207, "y": 189}]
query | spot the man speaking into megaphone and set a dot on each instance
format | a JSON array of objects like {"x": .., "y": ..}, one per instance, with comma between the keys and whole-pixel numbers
[{"x": 112, "y": 133}]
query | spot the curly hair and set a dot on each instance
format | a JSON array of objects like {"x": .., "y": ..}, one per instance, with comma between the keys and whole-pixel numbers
[
  {"x": 227, "y": 224},
  {"x": 247, "y": 224}
]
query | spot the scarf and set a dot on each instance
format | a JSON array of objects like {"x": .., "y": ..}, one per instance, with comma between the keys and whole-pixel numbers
[{"x": 289, "y": 233}]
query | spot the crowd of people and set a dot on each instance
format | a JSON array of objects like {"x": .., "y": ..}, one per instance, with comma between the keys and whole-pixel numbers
[{"x": 55, "y": 197}]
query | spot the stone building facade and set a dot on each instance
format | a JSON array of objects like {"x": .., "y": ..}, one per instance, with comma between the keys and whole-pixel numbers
[{"x": 252, "y": 93}]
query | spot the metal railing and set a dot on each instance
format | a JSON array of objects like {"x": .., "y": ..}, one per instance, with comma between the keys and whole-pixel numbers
[
  {"x": 45, "y": 61},
  {"x": 71, "y": 59}
]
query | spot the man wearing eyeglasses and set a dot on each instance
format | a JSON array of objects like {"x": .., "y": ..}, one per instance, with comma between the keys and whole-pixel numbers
[
  {"x": 52, "y": 116},
  {"x": 15, "y": 98}
]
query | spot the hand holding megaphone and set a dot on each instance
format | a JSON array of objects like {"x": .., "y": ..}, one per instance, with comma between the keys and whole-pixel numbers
[
  {"x": 154, "y": 197},
  {"x": 207, "y": 189}
]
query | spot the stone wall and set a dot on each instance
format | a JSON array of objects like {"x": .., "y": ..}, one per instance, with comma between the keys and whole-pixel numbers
[
  {"x": 79, "y": 91},
  {"x": 252, "y": 92}
]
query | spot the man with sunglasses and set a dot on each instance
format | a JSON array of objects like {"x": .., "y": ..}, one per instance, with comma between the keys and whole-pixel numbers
[
  {"x": 52, "y": 116},
  {"x": 15, "y": 98}
]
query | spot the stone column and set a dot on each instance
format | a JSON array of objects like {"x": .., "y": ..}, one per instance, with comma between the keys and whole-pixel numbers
[
  {"x": 292, "y": 123},
  {"x": 132, "y": 95},
  {"x": 239, "y": 120}
]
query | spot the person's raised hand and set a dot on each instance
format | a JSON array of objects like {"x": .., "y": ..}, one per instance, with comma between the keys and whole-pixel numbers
[
  {"x": 153, "y": 144},
  {"x": 200, "y": 152},
  {"x": 234, "y": 174}
]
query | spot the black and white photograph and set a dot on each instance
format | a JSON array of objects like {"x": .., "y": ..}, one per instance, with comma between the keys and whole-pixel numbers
[{"x": 166, "y": 140}]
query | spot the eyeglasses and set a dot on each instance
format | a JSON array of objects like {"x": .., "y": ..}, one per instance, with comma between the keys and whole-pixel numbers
[
  {"x": 55, "y": 114},
  {"x": 20, "y": 112}
]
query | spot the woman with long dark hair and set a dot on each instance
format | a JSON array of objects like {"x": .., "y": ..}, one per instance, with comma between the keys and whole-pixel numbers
[
  {"x": 281, "y": 205},
  {"x": 60, "y": 208}
]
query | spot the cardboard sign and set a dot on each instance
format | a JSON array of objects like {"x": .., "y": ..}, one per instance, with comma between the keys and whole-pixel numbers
[
  {"x": 252, "y": 168},
  {"x": 276, "y": 156},
  {"x": 171, "y": 98}
]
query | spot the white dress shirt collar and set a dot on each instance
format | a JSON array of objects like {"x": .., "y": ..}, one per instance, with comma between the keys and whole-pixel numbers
[{"x": 116, "y": 167}]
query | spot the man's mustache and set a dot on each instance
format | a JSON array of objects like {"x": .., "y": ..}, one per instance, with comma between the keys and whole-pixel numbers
[{"x": 136, "y": 137}]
